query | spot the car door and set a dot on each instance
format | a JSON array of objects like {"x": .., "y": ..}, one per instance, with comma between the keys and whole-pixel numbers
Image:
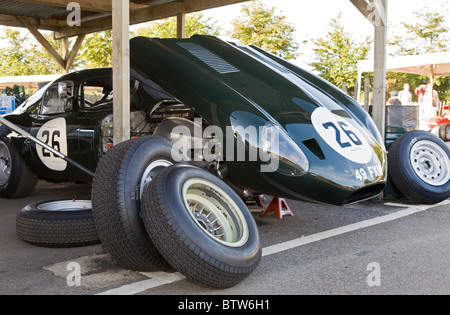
[{"x": 56, "y": 125}]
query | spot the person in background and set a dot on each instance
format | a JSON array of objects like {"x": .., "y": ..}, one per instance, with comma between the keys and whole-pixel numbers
[
  {"x": 420, "y": 91},
  {"x": 405, "y": 96},
  {"x": 394, "y": 99},
  {"x": 430, "y": 102}
]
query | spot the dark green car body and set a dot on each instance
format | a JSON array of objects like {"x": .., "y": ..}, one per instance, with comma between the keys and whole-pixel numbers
[
  {"x": 83, "y": 132},
  {"x": 236, "y": 85},
  {"x": 329, "y": 150}
]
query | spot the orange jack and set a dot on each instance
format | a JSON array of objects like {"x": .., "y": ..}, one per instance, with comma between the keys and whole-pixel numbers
[{"x": 280, "y": 207}]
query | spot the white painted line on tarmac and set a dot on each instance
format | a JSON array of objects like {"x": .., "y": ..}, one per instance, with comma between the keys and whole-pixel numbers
[
  {"x": 278, "y": 248},
  {"x": 163, "y": 278},
  {"x": 157, "y": 279}
]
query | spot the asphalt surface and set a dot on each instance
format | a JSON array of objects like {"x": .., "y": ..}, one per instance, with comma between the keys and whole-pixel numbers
[{"x": 376, "y": 247}]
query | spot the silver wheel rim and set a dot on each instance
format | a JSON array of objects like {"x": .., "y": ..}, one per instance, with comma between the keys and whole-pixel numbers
[
  {"x": 151, "y": 171},
  {"x": 447, "y": 132},
  {"x": 5, "y": 164},
  {"x": 217, "y": 215},
  {"x": 430, "y": 162},
  {"x": 65, "y": 205}
]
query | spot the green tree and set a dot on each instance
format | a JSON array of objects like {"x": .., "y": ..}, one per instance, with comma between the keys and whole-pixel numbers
[
  {"x": 97, "y": 50},
  {"x": 23, "y": 55},
  {"x": 429, "y": 34},
  {"x": 336, "y": 56},
  {"x": 259, "y": 25},
  {"x": 196, "y": 23}
]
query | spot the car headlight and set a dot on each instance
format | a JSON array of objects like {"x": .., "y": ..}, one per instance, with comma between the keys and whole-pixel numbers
[{"x": 281, "y": 153}]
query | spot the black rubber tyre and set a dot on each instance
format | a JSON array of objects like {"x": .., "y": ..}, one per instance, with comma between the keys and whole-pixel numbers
[
  {"x": 419, "y": 165},
  {"x": 444, "y": 132},
  {"x": 59, "y": 223},
  {"x": 116, "y": 194},
  {"x": 16, "y": 178},
  {"x": 189, "y": 238}
]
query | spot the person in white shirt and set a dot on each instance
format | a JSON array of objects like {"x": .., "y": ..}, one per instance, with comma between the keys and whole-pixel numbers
[{"x": 405, "y": 96}]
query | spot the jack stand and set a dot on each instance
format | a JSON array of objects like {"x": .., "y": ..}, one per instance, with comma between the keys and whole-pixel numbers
[
  {"x": 254, "y": 204},
  {"x": 280, "y": 207}
]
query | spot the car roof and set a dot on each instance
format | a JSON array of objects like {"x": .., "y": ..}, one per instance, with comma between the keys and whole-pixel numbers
[{"x": 82, "y": 75}]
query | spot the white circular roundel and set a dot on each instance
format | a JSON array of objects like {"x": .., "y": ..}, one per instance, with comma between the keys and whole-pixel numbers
[
  {"x": 342, "y": 135},
  {"x": 54, "y": 134}
]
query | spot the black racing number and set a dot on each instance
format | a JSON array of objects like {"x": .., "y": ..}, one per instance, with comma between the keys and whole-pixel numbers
[
  {"x": 343, "y": 128},
  {"x": 46, "y": 134},
  {"x": 54, "y": 143}
]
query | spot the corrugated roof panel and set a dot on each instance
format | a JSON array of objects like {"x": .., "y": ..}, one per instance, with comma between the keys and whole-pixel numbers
[{"x": 17, "y": 8}]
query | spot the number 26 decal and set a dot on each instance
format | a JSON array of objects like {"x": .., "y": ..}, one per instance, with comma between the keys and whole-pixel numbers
[
  {"x": 342, "y": 135},
  {"x": 53, "y": 143},
  {"x": 53, "y": 134},
  {"x": 342, "y": 127}
]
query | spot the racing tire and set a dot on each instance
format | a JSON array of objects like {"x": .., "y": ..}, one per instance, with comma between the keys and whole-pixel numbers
[
  {"x": 444, "y": 132},
  {"x": 16, "y": 178},
  {"x": 59, "y": 223},
  {"x": 201, "y": 227},
  {"x": 419, "y": 165},
  {"x": 116, "y": 191}
]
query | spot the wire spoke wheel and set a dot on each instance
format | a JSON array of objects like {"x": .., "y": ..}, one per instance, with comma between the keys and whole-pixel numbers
[
  {"x": 215, "y": 212},
  {"x": 201, "y": 226}
]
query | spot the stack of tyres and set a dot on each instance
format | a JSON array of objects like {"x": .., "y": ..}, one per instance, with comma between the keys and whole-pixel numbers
[{"x": 153, "y": 213}]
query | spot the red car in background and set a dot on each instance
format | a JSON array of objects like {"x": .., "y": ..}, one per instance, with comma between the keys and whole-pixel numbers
[{"x": 441, "y": 125}]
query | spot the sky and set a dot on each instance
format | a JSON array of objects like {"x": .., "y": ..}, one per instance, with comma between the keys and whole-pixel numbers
[{"x": 311, "y": 18}]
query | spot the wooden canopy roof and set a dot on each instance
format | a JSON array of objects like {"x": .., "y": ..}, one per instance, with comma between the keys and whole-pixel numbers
[{"x": 96, "y": 15}]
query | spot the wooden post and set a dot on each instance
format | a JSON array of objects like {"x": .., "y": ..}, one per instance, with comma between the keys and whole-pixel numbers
[
  {"x": 358, "y": 87},
  {"x": 181, "y": 25},
  {"x": 367, "y": 94},
  {"x": 121, "y": 69},
  {"x": 379, "y": 85},
  {"x": 65, "y": 52}
]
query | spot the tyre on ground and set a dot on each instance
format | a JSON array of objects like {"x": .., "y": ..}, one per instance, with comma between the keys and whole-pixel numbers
[
  {"x": 59, "y": 223},
  {"x": 16, "y": 178},
  {"x": 419, "y": 165},
  {"x": 201, "y": 227},
  {"x": 444, "y": 132},
  {"x": 120, "y": 179}
]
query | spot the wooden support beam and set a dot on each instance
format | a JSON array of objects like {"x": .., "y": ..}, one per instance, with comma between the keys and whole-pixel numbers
[
  {"x": 42, "y": 24},
  {"x": 181, "y": 25},
  {"x": 379, "y": 86},
  {"x": 373, "y": 10},
  {"x": 121, "y": 70},
  {"x": 68, "y": 57},
  {"x": 44, "y": 42},
  {"x": 147, "y": 14},
  {"x": 87, "y": 5},
  {"x": 361, "y": 5}
]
